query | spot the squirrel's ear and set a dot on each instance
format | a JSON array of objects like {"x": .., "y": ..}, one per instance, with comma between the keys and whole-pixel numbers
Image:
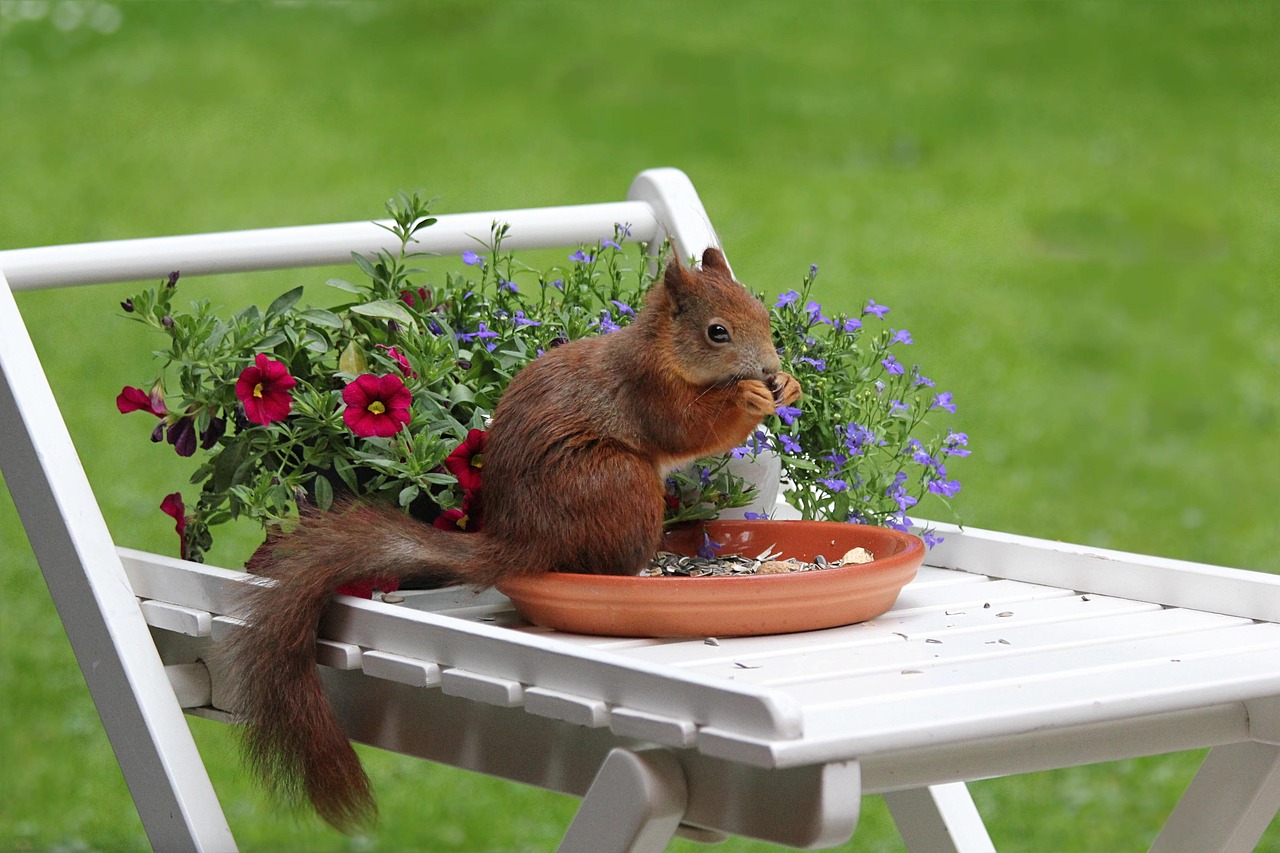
[
  {"x": 713, "y": 259},
  {"x": 677, "y": 281}
]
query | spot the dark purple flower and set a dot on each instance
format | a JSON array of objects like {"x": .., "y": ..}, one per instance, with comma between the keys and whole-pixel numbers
[
  {"x": 508, "y": 286},
  {"x": 582, "y": 257},
  {"x": 833, "y": 483},
  {"x": 850, "y": 325},
  {"x": 623, "y": 308},
  {"x": 217, "y": 427},
  {"x": 182, "y": 435},
  {"x": 818, "y": 364},
  {"x": 707, "y": 550},
  {"x": 893, "y": 366},
  {"x": 521, "y": 320}
]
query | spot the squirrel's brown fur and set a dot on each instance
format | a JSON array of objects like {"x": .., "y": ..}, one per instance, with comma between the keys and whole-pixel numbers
[{"x": 573, "y": 481}]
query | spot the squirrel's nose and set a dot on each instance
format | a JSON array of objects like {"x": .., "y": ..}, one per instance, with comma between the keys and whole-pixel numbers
[{"x": 770, "y": 365}]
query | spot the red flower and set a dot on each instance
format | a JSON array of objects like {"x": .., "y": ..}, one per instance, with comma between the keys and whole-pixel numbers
[
  {"x": 137, "y": 400},
  {"x": 264, "y": 390},
  {"x": 399, "y": 359},
  {"x": 412, "y": 298},
  {"x": 467, "y": 459},
  {"x": 468, "y": 518},
  {"x": 364, "y": 588},
  {"x": 376, "y": 405},
  {"x": 173, "y": 507}
]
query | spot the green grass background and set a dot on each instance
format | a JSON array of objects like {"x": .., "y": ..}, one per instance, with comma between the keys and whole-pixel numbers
[{"x": 1074, "y": 208}]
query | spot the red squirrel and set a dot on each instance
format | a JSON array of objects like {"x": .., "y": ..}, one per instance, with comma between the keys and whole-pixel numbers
[{"x": 573, "y": 481}]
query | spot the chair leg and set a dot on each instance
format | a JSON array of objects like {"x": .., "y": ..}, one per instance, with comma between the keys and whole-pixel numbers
[
  {"x": 634, "y": 805},
  {"x": 1229, "y": 804},
  {"x": 939, "y": 819}
]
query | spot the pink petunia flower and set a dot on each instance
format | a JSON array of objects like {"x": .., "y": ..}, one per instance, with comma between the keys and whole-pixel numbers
[
  {"x": 264, "y": 390},
  {"x": 398, "y": 357},
  {"x": 173, "y": 507},
  {"x": 467, "y": 460},
  {"x": 376, "y": 405},
  {"x": 467, "y": 518},
  {"x": 136, "y": 400},
  {"x": 365, "y": 588}
]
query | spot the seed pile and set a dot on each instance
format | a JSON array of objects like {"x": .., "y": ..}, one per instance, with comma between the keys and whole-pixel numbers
[{"x": 667, "y": 564}]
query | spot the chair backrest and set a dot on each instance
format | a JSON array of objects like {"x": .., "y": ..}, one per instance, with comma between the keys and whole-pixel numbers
[{"x": 62, "y": 518}]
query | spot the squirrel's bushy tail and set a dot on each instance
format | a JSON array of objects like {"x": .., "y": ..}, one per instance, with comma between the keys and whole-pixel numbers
[{"x": 292, "y": 737}]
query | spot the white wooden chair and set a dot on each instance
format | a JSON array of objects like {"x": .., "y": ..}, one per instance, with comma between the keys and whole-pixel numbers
[{"x": 1006, "y": 655}]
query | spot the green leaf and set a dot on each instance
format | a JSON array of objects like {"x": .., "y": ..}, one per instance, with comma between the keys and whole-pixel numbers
[
  {"x": 352, "y": 360},
  {"x": 315, "y": 342},
  {"x": 386, "y": 310},
  {"x": 284, "y": 302},
  {"x": 272, "y": 341},
  {"x": 323, "y": 491},
  {"x": 248, "y": 315},
  {"x": 365, "y": 265},
  {"x": 229, "y": 465},
  {"x": 408, "y": 494},
  {"x": 321, "y": 317},
  {"x": 346, "y": 472},
  {"x": 461, "y": 393},
  {"x": 343, "y": 285}
]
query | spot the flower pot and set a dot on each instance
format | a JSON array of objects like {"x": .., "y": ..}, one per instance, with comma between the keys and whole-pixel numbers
[{"x": 622, "y": 606}]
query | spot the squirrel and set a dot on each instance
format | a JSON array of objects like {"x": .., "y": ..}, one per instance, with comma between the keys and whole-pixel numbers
[{"x": 573, "y": 481}]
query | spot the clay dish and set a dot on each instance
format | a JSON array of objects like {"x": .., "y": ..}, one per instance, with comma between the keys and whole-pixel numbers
[{"x": 621, "y": 606}]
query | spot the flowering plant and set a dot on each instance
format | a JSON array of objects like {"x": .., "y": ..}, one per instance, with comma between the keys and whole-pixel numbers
[{"x": 387, "y": 392}]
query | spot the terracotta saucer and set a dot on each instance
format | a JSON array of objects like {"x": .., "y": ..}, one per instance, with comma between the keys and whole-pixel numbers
[{"x": 621, "y": 606}]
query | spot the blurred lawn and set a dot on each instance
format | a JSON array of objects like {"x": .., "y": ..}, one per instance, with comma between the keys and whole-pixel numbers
[{"x": 1073, "y": 207}]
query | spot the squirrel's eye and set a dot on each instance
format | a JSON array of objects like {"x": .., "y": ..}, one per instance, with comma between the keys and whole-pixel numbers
[{"x": 717, "y": 334}]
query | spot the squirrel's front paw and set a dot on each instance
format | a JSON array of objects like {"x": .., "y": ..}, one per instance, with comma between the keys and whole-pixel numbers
[
  {"x": 785, "y": 389},
  {"x": 757, "y": 397}
]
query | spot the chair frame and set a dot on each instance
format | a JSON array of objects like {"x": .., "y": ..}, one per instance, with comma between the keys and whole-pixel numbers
[{"x": 652, "y": 746}]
